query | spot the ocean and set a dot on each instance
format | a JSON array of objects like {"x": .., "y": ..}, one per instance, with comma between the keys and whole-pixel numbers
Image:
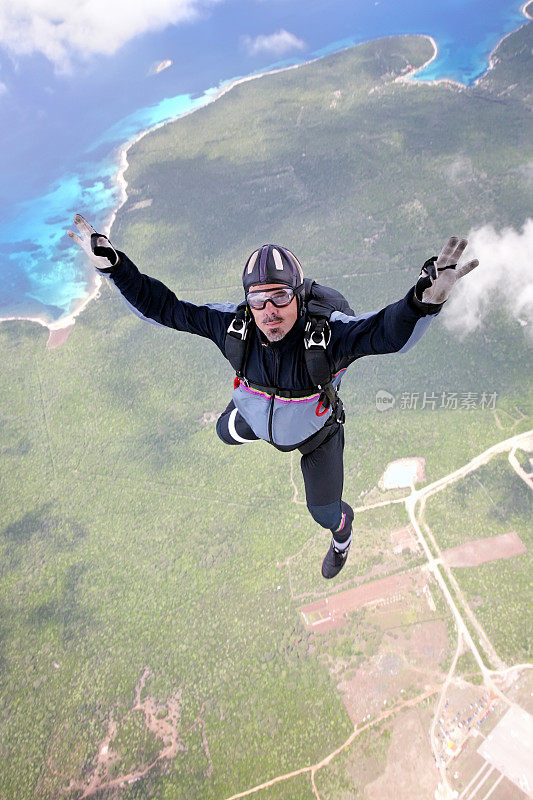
[{"x": 61, "y": 133}]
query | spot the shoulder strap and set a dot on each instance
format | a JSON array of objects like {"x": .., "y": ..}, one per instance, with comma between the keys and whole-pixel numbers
[
  {"x": 316, "y": 339},
  {"x": 317, "y": 333},
  {"x": 237, "y": 338}
]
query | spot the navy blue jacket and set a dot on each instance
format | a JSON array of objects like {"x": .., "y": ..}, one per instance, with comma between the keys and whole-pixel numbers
[{"x": 283, "y": 421}]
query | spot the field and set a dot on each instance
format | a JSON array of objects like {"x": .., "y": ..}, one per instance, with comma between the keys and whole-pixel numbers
[
  {"x": 495, "y": 502},
  {"x": 331, "y": 611},
  {"x": 387, "y": 761},
  {"x": 472, "y": 554},
  {"x": 151, "y": 578}
]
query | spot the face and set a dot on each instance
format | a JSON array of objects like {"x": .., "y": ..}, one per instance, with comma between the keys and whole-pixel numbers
[{"x": 274, "y": 322}]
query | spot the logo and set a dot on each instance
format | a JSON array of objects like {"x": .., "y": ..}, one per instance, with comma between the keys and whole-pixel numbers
[{"x": 384, "y": 400}]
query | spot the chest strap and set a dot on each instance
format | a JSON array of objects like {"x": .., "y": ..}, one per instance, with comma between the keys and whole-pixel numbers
[{"x": 286, "y": 393}]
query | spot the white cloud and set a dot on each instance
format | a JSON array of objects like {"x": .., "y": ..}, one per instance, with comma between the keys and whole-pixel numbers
[
  {"x": 3, "y": 89},
  {"x": 64, "y": 31},
  {"x": 504, "y": 276},
  {"x": 277, "y": 44}
]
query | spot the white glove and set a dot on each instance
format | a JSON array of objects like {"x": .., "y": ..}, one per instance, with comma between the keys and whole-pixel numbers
[
  {"x": 96, "y": 245},
  {"x": 439, "y": 274}
]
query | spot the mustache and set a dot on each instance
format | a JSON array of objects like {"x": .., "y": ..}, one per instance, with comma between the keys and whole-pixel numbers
[{"x": 272, "y": 318}]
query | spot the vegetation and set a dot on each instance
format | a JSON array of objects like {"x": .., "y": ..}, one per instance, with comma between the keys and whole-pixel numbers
[
  {"x": 487, "y": 502},
  {"x": 131, "y": 538},
  {"x": 524, "y": 460},
  {"x": 491, "y": 501},
  {"x": 505, "y": 614},
  {"x": 364, "y": 761},
  {"x": 468, "y": 667},
  {"x": 298, "y": 788}
]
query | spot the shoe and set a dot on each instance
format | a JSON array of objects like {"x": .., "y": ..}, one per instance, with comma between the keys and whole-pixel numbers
[
  {"x": 335, "y": 557},
  {"x": 334, "y": 560}
]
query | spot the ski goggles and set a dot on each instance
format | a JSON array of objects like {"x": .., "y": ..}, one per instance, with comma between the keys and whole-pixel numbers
[{"x": 278, "y": 297}]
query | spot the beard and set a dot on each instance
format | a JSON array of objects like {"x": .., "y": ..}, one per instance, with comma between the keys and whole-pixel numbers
[{"x": 273, "y": 334}]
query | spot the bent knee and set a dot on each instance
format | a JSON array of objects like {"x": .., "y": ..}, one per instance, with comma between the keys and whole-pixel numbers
[
  {"x": 222, "y": 431},
  {"x": 233, "y": 429},
  {"x": 327, "y": 516}
]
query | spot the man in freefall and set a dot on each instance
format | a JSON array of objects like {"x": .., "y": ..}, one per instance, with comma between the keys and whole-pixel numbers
[{"x": 290, "y": 343}]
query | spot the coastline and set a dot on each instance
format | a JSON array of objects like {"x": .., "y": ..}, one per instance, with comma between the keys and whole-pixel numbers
[
  {"x": 492, "y": 59},
  {"x": 60, "y": 329},
  {"x": 410, "y": 77},
  {"x": 66, "y": 322}
]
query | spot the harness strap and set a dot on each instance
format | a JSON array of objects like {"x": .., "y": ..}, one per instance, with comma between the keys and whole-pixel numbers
[
  {"x": 288, "y": 393},
  {"x": 236, "y": 343},
  {"x": 316, "y": 339}
]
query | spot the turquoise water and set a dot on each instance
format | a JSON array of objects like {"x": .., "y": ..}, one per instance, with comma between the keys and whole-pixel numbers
[{"x": 61, "y": 134}]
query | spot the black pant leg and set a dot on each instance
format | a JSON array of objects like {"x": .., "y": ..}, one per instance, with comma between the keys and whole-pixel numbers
[
  {"x": 323, "y": 474},
  {"x": 232, "y": 428}
]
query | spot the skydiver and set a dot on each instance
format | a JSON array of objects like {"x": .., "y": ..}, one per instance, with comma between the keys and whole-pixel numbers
[{"x": 290, "y": 342}]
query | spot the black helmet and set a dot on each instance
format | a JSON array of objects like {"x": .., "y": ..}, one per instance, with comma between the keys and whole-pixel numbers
[{"x": 272, "y": 264}]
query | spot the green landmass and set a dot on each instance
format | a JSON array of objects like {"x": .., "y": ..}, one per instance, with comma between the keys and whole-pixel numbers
[{"x": 132, "y": 539}]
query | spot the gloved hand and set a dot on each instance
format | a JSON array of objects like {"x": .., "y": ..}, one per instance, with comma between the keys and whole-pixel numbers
[
  {"x": 97, "y": 246},
  {"x": 439, "y": 273}
]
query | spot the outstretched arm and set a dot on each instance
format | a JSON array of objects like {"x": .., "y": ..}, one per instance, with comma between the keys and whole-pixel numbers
[
  {"x": 147, "y": 297},
  {"x": 397, "y": 327}
]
